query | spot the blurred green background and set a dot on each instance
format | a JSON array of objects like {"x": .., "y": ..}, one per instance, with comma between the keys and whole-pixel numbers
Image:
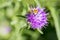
[{"x": 12, "y": 15}]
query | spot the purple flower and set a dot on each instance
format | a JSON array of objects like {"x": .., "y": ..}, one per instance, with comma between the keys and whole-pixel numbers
[{"x": 37, "y": 18}]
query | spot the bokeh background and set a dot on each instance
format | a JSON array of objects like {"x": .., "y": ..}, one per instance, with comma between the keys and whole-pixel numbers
[{"x": 13, "y": 24}]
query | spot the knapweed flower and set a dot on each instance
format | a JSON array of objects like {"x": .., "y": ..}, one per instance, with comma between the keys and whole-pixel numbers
[{"x": 37, "y": 18}]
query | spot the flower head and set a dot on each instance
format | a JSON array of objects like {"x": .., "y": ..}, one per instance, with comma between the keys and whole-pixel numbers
[{"x": 37, "y": 18}]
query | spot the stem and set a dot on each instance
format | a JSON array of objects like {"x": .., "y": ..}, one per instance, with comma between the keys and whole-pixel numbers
[
  {"x": 55, "y": 18},
  {"x": 40, "y": 31},
  {"x": 18, "y": 35}
]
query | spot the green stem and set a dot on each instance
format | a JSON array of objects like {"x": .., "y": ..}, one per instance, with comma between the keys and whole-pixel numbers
[
  {"x": 18, "y": 35},
  {"x": 40, "y": 31},
  {"x": 55, "y": 18}
]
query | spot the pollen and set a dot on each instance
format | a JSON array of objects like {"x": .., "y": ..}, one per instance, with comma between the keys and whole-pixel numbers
[{"x": 35, "y": 11}]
